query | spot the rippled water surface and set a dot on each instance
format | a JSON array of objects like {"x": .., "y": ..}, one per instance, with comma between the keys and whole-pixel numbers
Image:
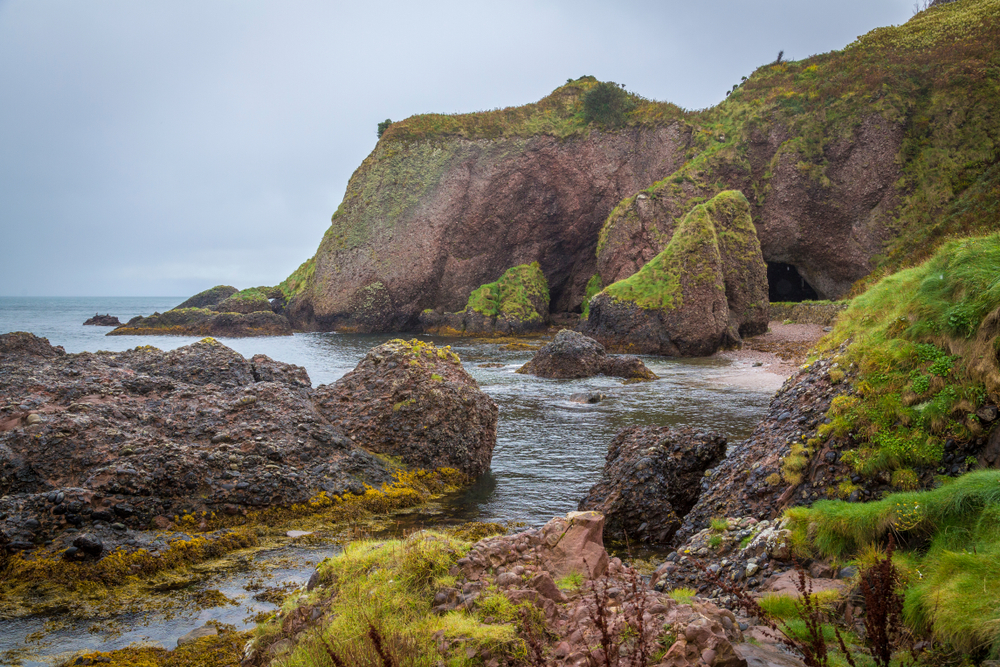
[{"x": 549, "y": 450}]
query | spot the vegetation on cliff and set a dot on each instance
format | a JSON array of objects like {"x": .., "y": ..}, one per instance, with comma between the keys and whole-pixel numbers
[
  {"x": 922, "y": 357},
  {"x": 520, "y": 293},
  {"x": 934, "y": 76}
]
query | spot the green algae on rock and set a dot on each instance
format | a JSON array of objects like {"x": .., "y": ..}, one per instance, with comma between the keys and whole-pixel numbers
[
  {"x": 204, "y": 322},
  {"x": 704, "y": 291},
  {"x": 518, "y": 302}
]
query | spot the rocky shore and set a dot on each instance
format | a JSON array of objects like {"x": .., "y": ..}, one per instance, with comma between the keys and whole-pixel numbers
[{"x": 122, "y": 442}]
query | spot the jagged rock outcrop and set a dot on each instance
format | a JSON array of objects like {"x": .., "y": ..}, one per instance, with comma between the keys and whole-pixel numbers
[
  {"x": 704, "y": 291},
  {"x": 414, "y": 401},
  {"x": 93, "y": 440},
  {"x": 517, "y": 303},
  {"x": 210, "y": 298},
  {"x": 651, "y": 479},
  {"x": 573, "y": 355}
]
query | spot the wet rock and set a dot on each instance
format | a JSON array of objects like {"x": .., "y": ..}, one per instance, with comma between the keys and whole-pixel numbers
[
  {"x": 89, "y": 544},
  {"x": 591, "y": 397},
  {"x": 651, "y": 479},
  {"x": 573, "y": 355},
  {"x": 415, "y": 401},
  {"x": 204, "y": 322}
]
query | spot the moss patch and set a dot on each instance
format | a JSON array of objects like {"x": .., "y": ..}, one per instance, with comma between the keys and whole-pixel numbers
[{"x": 518, "y": 294}]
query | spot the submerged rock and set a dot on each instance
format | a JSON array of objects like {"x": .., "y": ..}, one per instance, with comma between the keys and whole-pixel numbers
[
  {"x": 103, "y": 321},
  {"x": 415, "y": 401},
  {"x": 573, "y": 355},
  {"x": 705, "y": 290},
  {"x": 517, "y": 303},
  {"x": 651, "y": 479}
]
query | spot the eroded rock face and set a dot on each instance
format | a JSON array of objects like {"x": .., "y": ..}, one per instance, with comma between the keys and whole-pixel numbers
[
  {"x": 573, "y": 355},
  {"x": 415, "y": 401},
  {"x": 440, "y": 218},
  {"x": 651, "y": 479},
  {"x": 706, "y": 290}
]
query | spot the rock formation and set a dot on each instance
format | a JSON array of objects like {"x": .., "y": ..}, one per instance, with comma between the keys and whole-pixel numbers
[
  {"x": 91, "y": 440},
  {"x": 651, "y": 480},
  {"x": 573, "y": 355},
  {"x": 517, "y": 303},
  {"x": 221, "y": 311},
  {"x": 414, "y": 401},
  {"x": 704, "y": 291},
  {"x": 103, "y": 321}
]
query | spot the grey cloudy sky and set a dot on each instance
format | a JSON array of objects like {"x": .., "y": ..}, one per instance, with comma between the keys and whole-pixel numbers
[{"x": 159, "y": 148}]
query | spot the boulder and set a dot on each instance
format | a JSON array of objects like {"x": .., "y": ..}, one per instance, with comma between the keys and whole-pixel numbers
[
  {"x": 415, "y": 401},
  {"x": 651, "y": 479},
  {"x": 573, "y": 355},
  {"x": 704, "y": 291},
  {"x": 517, "y": 303}
]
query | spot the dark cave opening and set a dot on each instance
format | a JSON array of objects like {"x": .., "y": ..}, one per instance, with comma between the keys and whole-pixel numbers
[{"x": 785, "y": 284}]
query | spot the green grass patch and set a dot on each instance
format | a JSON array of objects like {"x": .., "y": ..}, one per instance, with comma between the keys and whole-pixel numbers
[
  {"x": 391, "y": 585},
  {"x": 594, "y": 287},
  {"x": 683, "y": 595},
  {"x": 949, "y": 552}
]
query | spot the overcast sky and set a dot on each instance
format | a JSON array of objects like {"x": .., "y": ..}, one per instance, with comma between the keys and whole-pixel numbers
[{"x": 160, "y": 148}]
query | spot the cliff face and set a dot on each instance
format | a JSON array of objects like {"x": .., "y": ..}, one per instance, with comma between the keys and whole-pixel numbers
[
  {"x": 854, "y": 163},
  {"x": 425, "y": 223}
]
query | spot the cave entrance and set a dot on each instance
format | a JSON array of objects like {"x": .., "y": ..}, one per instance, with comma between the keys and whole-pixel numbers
[{"x": 784, "y": 283}]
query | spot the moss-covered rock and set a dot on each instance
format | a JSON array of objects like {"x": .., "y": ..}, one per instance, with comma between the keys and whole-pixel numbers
[
  {"x": 704, "y": 291},
  {"x": 251, "y": 300},
  {"x": 516, "y": 303}
]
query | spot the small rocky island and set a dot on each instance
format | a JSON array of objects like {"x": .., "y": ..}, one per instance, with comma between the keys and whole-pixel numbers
[
  {"x": 102, "y": 321},
  {"x": 221, "y": 311}
]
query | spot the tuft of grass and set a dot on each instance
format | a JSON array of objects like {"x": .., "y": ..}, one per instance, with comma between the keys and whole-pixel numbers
[
  {"x": 719, "y": 524},
  {"x": 594, "y": 287},
  {"x": 571, "y": 582},
  {"x": 715, "y": 541},
  {"x": 683, "y": 595}
]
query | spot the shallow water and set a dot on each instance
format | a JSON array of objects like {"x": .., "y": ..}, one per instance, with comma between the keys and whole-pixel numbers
[{"x": 549, "y": 450}]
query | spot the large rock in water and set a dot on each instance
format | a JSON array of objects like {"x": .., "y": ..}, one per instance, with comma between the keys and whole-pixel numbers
[
  {"x": 415, "y": 401},
  {"x": 651, "y": 479},
  {"x": 704, "y": 291},
  {"x": 517, "y": 303},
  {"x": 204, "y": 322},
  {"x": 573, "y": 355}
]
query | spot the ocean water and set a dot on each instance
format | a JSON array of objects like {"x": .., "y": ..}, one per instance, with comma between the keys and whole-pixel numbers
[{"x": 549, "y": 450}]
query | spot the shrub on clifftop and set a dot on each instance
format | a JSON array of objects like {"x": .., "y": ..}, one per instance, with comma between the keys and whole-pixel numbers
[{"x": 606, "y": 104}]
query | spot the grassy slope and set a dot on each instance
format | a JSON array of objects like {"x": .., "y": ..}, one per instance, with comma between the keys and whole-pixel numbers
[
  {"x": 691, "y": 251},
  {"x": 511, "y": 295},
  {"x": 922, "y": 357}
]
